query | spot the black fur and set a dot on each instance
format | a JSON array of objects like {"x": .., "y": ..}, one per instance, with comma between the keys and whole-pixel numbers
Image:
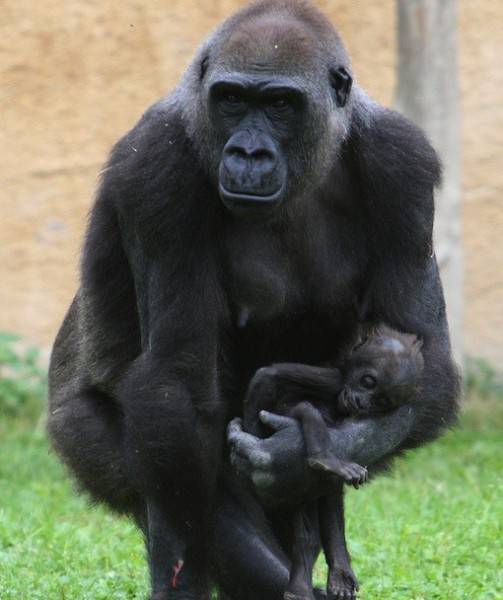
[{"x": 180, "y": 301}]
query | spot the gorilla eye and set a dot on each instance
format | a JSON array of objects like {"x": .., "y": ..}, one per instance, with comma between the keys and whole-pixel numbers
[
  {"x": 368, "y": 381},
  {"x": 280, "y": 103},
  {"x": 232, "y": 99}
]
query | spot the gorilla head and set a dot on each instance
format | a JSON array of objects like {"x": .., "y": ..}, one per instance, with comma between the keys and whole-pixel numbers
[{"x": 267, "y": 104}]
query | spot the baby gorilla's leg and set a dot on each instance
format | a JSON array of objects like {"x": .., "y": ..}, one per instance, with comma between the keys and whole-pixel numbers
[{"x": 318, "y": 443}]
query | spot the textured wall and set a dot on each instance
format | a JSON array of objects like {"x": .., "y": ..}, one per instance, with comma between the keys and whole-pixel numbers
[{"x": 76, "y": 75}]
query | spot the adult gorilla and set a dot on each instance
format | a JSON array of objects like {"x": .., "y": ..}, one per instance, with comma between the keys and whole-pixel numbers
[{"x": 237, "y": 225}]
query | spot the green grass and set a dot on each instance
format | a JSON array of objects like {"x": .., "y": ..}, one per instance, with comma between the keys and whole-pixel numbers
[{"x": 430, "y": 530}]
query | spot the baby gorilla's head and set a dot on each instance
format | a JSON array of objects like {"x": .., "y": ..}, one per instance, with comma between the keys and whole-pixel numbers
[{"x": 382, "y": 372}]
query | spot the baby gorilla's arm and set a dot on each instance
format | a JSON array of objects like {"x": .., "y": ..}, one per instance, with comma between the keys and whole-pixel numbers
[{"x": 286, "y": 381}]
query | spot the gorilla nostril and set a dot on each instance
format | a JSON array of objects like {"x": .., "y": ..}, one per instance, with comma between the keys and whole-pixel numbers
[
  {"x": 257, "y": 154},
  {"x": 262, "y": 154},
  {"x": 237, "y": 152}
]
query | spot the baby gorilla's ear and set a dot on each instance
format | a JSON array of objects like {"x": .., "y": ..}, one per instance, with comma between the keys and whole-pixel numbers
[
  {"x": 412, "y": 341},
  {"x": 417, "y": 343},
  {"x": 364, "y": 332},
  {"x": 416, "y": 354}
]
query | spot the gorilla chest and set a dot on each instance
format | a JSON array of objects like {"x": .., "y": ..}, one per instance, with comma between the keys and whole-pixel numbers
[{"x": 271, "y": 280}]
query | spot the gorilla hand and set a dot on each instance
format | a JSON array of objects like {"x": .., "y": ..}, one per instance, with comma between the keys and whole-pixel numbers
[{"x": 276, "y": 465}]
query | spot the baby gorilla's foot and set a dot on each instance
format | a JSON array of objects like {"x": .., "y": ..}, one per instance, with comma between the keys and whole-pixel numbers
[
  {"x": 352, "y": 473},
  {"x": 342, "y": 584}
]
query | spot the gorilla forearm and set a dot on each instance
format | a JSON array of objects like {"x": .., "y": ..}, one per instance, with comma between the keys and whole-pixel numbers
[
  {"x": 366, "y": 441},
  {"x": 276, "y": 465}
]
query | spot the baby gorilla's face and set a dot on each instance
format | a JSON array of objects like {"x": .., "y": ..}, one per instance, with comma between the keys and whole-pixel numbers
[
  {"x": 363, "y": 392},
  {"x": 381, "y": 374}
]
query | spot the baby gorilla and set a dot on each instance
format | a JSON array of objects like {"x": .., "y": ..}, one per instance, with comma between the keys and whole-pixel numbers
[{"x": 381, "y": 373}]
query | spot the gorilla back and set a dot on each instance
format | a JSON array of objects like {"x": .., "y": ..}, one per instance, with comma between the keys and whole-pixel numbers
[{"x": 234, "y": 227}]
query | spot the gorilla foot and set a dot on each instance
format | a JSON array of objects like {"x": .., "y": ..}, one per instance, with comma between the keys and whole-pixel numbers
[
  {"x": 298, "y": 590},
  {"x": 342, "y": 584},
  {"x": 298, "y": 596},
  {"x": 352, "y": 473}
]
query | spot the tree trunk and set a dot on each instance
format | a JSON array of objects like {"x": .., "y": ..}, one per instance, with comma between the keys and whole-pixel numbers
[{"x": 427, "y": 92}]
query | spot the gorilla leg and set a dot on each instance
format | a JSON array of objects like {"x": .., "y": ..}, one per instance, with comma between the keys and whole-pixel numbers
[
  {"x": 251, "y": 548},
  {"x": 304, "y": 553},
  {"x": 86, "y": 429},
  {"x": 172, "y": 448},
  {"x": 153, "y": 461},
  {"x": 248, "y": 561},
  {"x": 342, "y": 583}
]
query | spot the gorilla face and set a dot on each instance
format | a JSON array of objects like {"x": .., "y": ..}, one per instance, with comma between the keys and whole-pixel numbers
[
  {"x": 258, "y": 118},
  {"x": 269, "y": 121}
]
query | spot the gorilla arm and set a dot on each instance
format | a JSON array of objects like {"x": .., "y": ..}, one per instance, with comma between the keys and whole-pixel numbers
[
  {"x": 409, "y": 301},
  {"x": 151, "y": 353},
  {"x": 392, "y": 171}
]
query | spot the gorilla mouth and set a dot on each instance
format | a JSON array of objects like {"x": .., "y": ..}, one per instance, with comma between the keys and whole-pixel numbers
[{"x": 246, "y": 199}]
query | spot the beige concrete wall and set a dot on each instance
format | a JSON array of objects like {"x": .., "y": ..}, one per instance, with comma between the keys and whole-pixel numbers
[{"x": 75, "y": 75}]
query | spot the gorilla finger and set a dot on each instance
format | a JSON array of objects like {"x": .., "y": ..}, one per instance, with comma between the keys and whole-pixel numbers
[
  {"x": 233, "y": 428},
  {"x": 241, "y": 441},
  {"x": 248, "y": 447},
  {"x": 274, "y": 421}
]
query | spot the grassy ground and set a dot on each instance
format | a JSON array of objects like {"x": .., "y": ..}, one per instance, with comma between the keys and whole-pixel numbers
[{"x": 430, "y": 530}]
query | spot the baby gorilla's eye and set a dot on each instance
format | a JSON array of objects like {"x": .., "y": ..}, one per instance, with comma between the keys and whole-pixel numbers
[{"x": 368, "y": 381}]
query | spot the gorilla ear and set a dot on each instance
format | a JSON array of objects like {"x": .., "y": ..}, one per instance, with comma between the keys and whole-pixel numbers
[
  {"x": 341, "y": 82},
  {"x": 204, "y": 67}
]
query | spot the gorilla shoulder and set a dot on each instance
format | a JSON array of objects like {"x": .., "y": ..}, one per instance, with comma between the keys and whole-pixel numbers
[
  {"x": 149, "y": 165},
  {"x": 398, "y": 170}
]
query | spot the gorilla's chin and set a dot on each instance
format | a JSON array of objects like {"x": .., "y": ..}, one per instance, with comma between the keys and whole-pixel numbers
[{"x": 246, "y": 204}]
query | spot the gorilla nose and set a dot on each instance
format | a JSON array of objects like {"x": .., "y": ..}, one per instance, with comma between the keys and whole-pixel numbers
[
  {"x": 250, "y": 165},
  {"x": 257, "y": 153},
  {"x": 250, "y": 153}
]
